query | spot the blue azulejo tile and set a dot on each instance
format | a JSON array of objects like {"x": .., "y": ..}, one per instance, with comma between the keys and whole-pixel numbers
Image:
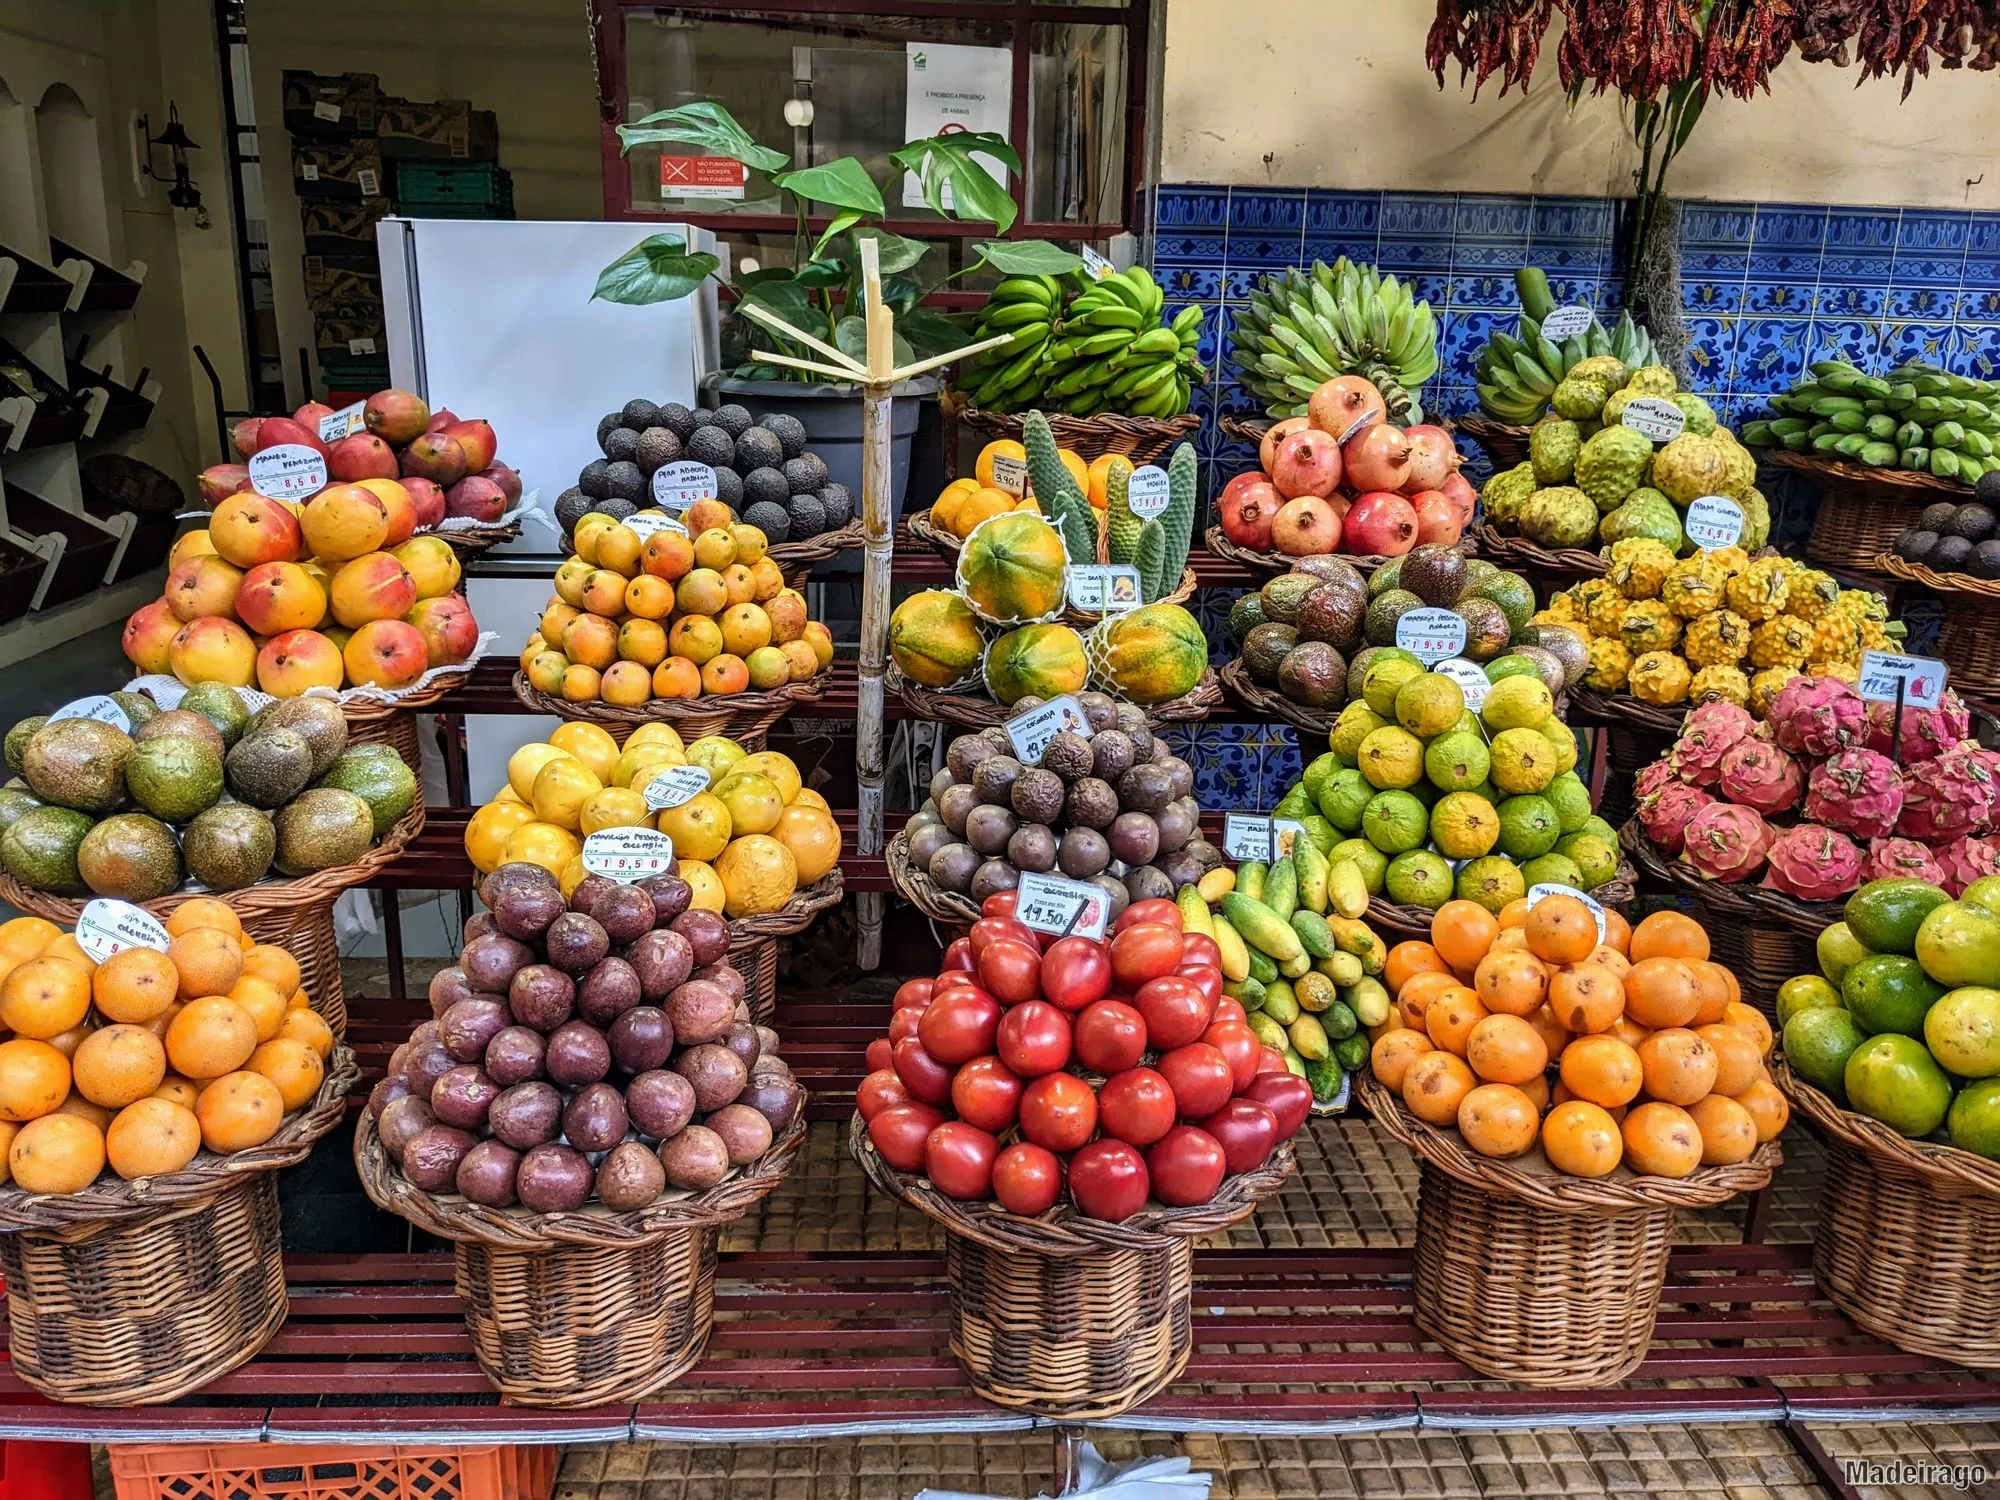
[
  {"x": 1433, "y": 289},
  {"x": 1789, "y": 263},
  {"x": 1979, "y": 306},
  {"x": 1360, "y": 249},
  {"x": 1770, "y": 354},
  {"x": 1579, "y": 219},
  {"x": 1227, "y": 774},
  {"x": 1863, "y": 268},
  {"x": 1577, "y": 288},
  {"x": 1859, "y": 229},
  {"x": 1284, "y": 763},
  {"x": 1717, "y": 223},
  {"x": 1933, "y": 230},
  {"x": 1193, "y": 207},
  {"x": 1465, "y": 333},
  {"x": 1190, "y": 250},
  {"x": 1976, "y": 350},
  {"x": 1789, "y": 224},
  {"x": 1192, "y": 283},
  {"x": 1483, "y": 216},
  {"x": 1783, "y": 299},
  {"x": 1930, "y": 342},
  {"x": 1833, "y": 299},
  {"x": 1398, "y": 254},
  {"x": 1927, "y": 268},
  {"x": 1711, "y": 296},
  {"x": 1715, "y": 262},
  {"x": 1922, "y": 304},
  {"x": 1467, "y": 254},
  {"x": 1585, "y": 257},
  {"x": 1982, "y": 235},
  {"x": 1237, "y": 285},
  {"x": 1711, "y": 343},
  {"x": 1851, "y": 339},
  {"x": 1231, "y": 398},
  {"x": 1266, "y": 210},
  {"x": 1483, "y": 289},
  {"x": 1428, "y": 214},
  {"x": 1236, "y": 457},
  {"x": 1340, "y": 214},
  {"x": 1256, "y": 248}
]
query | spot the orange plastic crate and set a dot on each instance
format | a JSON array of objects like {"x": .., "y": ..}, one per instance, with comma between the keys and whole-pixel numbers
[{"x": 298, "y": 1471}]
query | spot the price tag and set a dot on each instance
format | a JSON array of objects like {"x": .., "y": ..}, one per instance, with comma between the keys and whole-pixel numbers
[
  {"x": 1714, "y": 521},
  {"x": 104, "y": 928},
  {"x": 1567, "y": 322},
  {"x": 322, "y": 110},
  {"x": 1471, "y": 681},
  {"x": 1095, "y": 264},
  {"x": 1104, "y": 588},
  {"x": 673, "y": 785},
  {"x": 101, "y": 708},
  {"x": 370, "y": 181},
  {"x": 1656, "y": 417},
  {"x": 308, "y": 172},
  {"x": 1148, "y": 491},
  {"x": 1538, "y": 892},
  {"x": 361, "y": 346},
  {"x": 1359, "y": 425},
  {"x": 1431, "y": 635},
  {"x": 676, "y": 486},
  {"x": 1249, "y": 835},
  {"x": 1011, "y": 475},
  {"x": 645, "y": 524},
  {"x": 1075, "y": 908},
  {"x": 1922, "y": 678},
  {"x": 1032, "y": 731},
  {"x": 343, "y": 423},
  {"x": 290, "y": 471},
  {"x": 628, "y": 855}
]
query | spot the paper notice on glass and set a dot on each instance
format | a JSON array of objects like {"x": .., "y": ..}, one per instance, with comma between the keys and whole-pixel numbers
[{"x": 951, "y": 89}]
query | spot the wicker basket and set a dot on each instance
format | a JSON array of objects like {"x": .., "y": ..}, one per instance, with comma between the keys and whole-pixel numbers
[
  {"x": 796, "y": 559},
  {"x": 975, "y": 710},
  {"x": 133, "y": 1293},
  {"x": 1624, "y": 711},
  {"x": 916, "y": 886},
  {"x": 1141, "y": 439},
  {"x": 1527, "y": 1275},
  {"x": 1512, "y": 550},
  {"x": 1940, "y": 583},
  {"x": 940, "y": 541},
  {"x": 588, "y": 1308},
  {"x": 746, "y": 720},
  {"x": 1504, "y": 442},
  {"x": 1067, "y": 1316},
  {"x": 1904, "y": 1239},
  {"x": 1970, "y": 645},
  {"x": 1240, "y": 685},
  {"x": 382, "y": 724},
  {"x": 753, "y": 941},
  {"x": 1861, "y": 510}
]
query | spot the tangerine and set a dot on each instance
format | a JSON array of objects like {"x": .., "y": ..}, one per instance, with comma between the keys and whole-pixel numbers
[
  {"x": 305, "y": 1026},
  {"x": 1462, "y": 931},
  {"x": 1512, "y": 982},
  {"x": 1668, "y": 934},
  {"x": 44, "y": 997},
  {"x": 1505, "y": 1049},
  {"x": 1602, "y": 1070},
  {"x": 1419, "y": 990},
  {"x": 24, "y": 938},
  {"x": 1561, "y": 930},
  {"x": 1711, "y": 990},
  {"x": 1394, "y": 1050},
  {"x": 1587, "y": 998},
  {"x": 1749, "y": 1018},
  {"x": 8, "y": 1130},
  {"x": 136, "y": 984},
  {"x": 1434, "y": 1085},
  {"x": 210, "y": 1037},
  {"x": 1617, "y": 931},
  {"x": 150, "y": 1136},
  {"x": 70, "y": 1040},
  {"x": 293, "y": 1065},
  {"x": 178, "y": 1090},
  {"x": 118, "y": 1065},
  {"x": 1451, "y": 1017},
  {"x": 1582, "y": 1139},
  {"x": 1661, "y": 992},
  {"x": 1728, "y": 1133},
  {"x": 238, "y": 1111},
  {"x": 1738, "y": 1063},
  {"x": 1410, "y": 957},
  {"x": 203, "y": 911},
  {"x": 264, "y": 1001},
  {"x": 56, "y": 1154},
  {"x": 1662, "y": 1140},
  {"x": 1498, "y": 1119},
  {"x": 209, "y": 960},
  {"x": 1514, "y": 914},
  {"x": 1679, "y": 1065},
  {"x": 70, "y": 951},
  {"x": 1768, "y": 1108}
]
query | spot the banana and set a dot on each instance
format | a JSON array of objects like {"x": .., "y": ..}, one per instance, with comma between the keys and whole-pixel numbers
[
  {"x": 1027, "y": 288},
  {"x": 1013, "y": 315}
]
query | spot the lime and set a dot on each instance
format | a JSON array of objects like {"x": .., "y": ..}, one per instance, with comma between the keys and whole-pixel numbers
[
  {"x": 1838, "y": 950},
  {"x": 1528, "y": 827},
  {"x": 1518, "y": 702},
  {"x": 1884, "y": 914},
  {"x": 1395, "y": 821},
  {"x": 1974, "y": 1121},
  {"x": 1597, "y": 860},
  {"x": 1563, "y": 738},
  {"x": 1894, "y": 1080},
  {"x": 1596, "y": 827},
  {"x": 1492, "y": 882},
  {"x": 1429, "y": 704},
  {"x": 1571, "y": 800},
  {"x": 1356, "y": 722},
  {"x": 1384, "y": 679},
  {"x": 1889, "y": 992},
  {"x": 1552, "y": 869},
  {"x": 1342, "y": 797},
  {"x": 1958, "y": 943},
  {"x": 1392, "y": 757},
  {"x": 1464, "y": 826},
  {"x": 1419, "y": 878},
  {"x": 1985, "y": 891},
  {"x": 1805, "y": 992},
  {"x": 1963, "y": 1031},
  {"x": 1523, "y": 761},
  {"x": 1365, "y": 857},
  {"x": 1818, "y": 1043},
  {"x": 1316, "y": 774},
  {"x": 1457, "y": 762}
]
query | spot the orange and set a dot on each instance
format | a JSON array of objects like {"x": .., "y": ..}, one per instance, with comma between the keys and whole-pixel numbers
[
  {"x": 1749, "y": 1018},
  {"x": 135, "y": 985},
  {"x": 70, "y": 1040},
  {"x": 204, "y": 911},
  {"x": 1768, "y": 1108},
  {"x": 83, "y": 1109},
  {"x": 209, "y": 960},
  {"x": 270, "y": 962},
  {"x": 1451, "y": 1017},
  {"x": 1561, "y": 930},
  {"x": 1661, "y": 1140},
  {"x": 725, "y": 674},
  {"x": 56, "y": 1154},
  {"x": 1712, "y": 990},
  {"x": 1419, "y": 990},
  {"x": 1497, "y": 1119},
  {"x": 297, "y": 1000},
  {"x": 150, "y": 1136},
  {"x": 44, "y": 997},
  {"x": 1537, "y": 1091},
  {"x": 211, "y": 1036},
  {"x": 1679, "y": 1065},
  {"x": 1661, "y": 992},
  {"x": 178, "y": 1090},
  {"x": 1563, "y": 1094},
  {"x": 1409, "y": 957},
  {"x": 677, "y": 677},
  {"x": 71, "y": 951},
  {"x": 1582, "y": 1139},
  {"x": 34, "y": 1078},
  {"x": 1511, "y": 982},
  {"x": 1434, "y": 1085},
  {"x": 1587, "y": 998},
  {"x": 1607, "y": 957},
  {"x": 1728, "y": 1133},
  {"x": 264, "y": 1001},
  {"x": 304, "y": 1026},
  {"x": 1462, "y": 931},
  {"x": 293, "y": 1065},
  {"x": 8, "y": 1130},
  {"x": 238, "y": 1111},
  {"x": 1514, "y": 914},
  {"x": 159, "y": 1024},
  {"x": 1393, "y": 1052},
  {"x": 1602, "y": 1070},
  {"x": 1100, "y": 474},
  {"x": 118, "y": 1065},
  {"x": 1668, "y": 934},
  {"x": 1738, "y": 1063},
  {"x": 1505, "y": 1049},
  {"x": 1555, "y": 1036},
  {"x": 1617, "y": 931},
  {"x": 24, "y": 938}
]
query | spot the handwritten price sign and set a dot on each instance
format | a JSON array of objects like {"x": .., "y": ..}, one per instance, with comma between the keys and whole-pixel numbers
[
  {"x": 1567, "y": 322},
  {"x": 1103, "y": 588},
  {"x": 1032, "y": 731},
  {"x": 1048, "y": 903},
  {"x": 1714, "y": 522},
  {"x": 676, "y": 486},
  {"x": 674, "y": 786},
  {"x": 1471, "y": 681},
  {"x": 290, "y": 471},
  {"x": 1431, "y": 635},
  {"x": 343, "y": 423},
  {"x": 628, "y": 855},
  {"x": 1654, "y": 417},
  {"x": 1921, "y": 676},
  {"x": 102, "y": 708},
  {"x": 1147, "y": 492},
  {"x": 105, "y": 928},
  {"x": 1251, "y": 835}
]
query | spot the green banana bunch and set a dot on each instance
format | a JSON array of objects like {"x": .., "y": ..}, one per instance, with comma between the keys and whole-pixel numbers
[
  {"x": 1026, "y": 309},
  {"x": 1086, "y": 347},
  {"x": 1917, "y": 418},
  {"x": 1301, "y": 329},
  {"x": 1517, "y": 374}
]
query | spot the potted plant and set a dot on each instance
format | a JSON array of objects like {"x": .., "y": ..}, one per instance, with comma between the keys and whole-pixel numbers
[{"x": 821, "y": 292}]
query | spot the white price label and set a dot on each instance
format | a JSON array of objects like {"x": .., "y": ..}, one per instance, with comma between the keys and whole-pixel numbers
[
  {"x": 370, "y": 181},
  {"x": 1431, "y": 635},
  {"x": 322, "y": 110},
  {"x": 343, "y": 423},
  {"x": 1148, "y": 492},
  {"x": 1922, "y": 679},
  {"x": 361, "y": 346},
  {"x": 1075, "y": 908},
  {"x": 1095, "y": 264},
  {"x": 1470, "y": 679},
  {"x": 673, "y": 785},
  {"x": 1539, "y": 892},
  {"x": 290, "y": 471},
  {"x": 1714, "y": 522},
  {"x": 1654, "y": 417},
  {"x": 1359, "y": 425},
  {"x": 1250, "y": 836},
  {"x": 101, "y": 708},
  {"x": 1103, "y": 588},
  {"x": 1011, "y": 475},
  {"x": 308, "y": 172},
  {"x": 676, "y": 486},
  {"x": 1032, "y": 731},
  {"x": 644, "y": 525},
  {"x": 1567, "y": 322},
  {"x": 105, "y": 928},
  {"x": 628, "y": 855}
]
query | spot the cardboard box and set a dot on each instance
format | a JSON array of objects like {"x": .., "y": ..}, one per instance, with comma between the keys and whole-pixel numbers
[
  {"x": 345, "y": 171},
  {"x": 341, "y": 230},
  {"x": 440, "y": 129},
  {"x": 332, "y": 106}
]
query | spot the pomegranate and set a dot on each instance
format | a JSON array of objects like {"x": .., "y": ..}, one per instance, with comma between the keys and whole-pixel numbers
[
  {"x": 1463, "y": 495},
  {"x": 1380, "y": 524},
  {"x": 1336, "y": 406},
  {"x": 1267, "y": 450},
  {"x": 1437, "y": 517},
  {"x": 1306, "y": 463},
  {"x": 1379, "y": 459},
  {"x": 1241, "y": 483},
  {"x": 1305, "y": 527},
  {"x": 1247, "y": 514},
  {"x": 1433, "y": 457}
]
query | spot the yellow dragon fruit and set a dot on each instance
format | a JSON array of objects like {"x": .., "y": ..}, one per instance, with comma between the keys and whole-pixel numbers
[
  {"x": 1693, "y": 587},
  {"x": 1783, "y": 642},
  {"x": 1759, "y": 592},
  {"x": 1720, "y": 638},
  {"x": 1724, "y": 684},
  {"x": 1659, "y": 677},
  {"x": 1649, "y": 626}
]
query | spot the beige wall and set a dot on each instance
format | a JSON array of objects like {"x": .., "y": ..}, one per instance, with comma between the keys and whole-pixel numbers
[{"x": 1284, "y": 93}]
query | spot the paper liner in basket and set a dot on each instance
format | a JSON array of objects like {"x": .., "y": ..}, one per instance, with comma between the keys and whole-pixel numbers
[{"x": 167, "y": 691}]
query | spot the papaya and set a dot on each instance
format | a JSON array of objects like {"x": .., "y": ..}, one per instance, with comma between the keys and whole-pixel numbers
[
  {"x": 1150, "y": 655},
  {"x": 1045, "y": 660},
  {"x": 1011, "y": 568},
  {"x": 935, "y": 639}
]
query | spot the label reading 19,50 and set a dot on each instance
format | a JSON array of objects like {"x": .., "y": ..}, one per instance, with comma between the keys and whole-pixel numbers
[
  {"x": 104, "y": 928},
  {"x": 1048, "y": 903},
  {"x": 1250, "y": 835},
  {"x": 628, "y": 855},
  {"x": 1032, "y": 731},
  {"x": 1431, "y": 635}
]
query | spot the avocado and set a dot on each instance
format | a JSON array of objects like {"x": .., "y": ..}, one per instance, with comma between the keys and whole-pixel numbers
[
  {"x": 1265, "y": 648},
  {"x": 1332, "y": 613},
  {"x": 17, "y": 740},
  {"x": 321, "y": 829},
  {"x": 229, "y": 846},
  {"x": 78, "y": 763},
  {"x": 1313, "y": 673},
  {"x": 221, "y": 705},
  {"x": 1284, "y": 594},
  {"x": 174, "y": 778},
  {"x": 13, "y": 803},
  {"x": 1246, "y": 614},
  {"x": 1388, "y": 607},
  {"x": 1388, "y": 576},
  {"x": 318, "y": 720},
  {"x": 1511, "y": 592},
  {"x": 270, "y": 768},
  {"x": 180, "y": 723},
  {"x": 1434, "y": 573},
  {"x": 131, "y": 856},
  {"x": 39, "y": 849},
  {"x": 139, "y": 709},
  {"x": 1486, "y": 628},
  {"x": 385, "y": 783}
]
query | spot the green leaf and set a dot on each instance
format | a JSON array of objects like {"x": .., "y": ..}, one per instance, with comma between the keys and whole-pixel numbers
[
  {"x": 901, "y": 293},
  {"x": 822, "y": 273},
  {"x": 1028, "y": 258},
  {"x": 659, "y": 268},
  {"x": 841, "y": 223},
  {"x": 897, "y": 254},
  {"x": 704, "y": 124},
  {"x": 786, "y": 298},
  {"x": 945, "y": 163},
  {"x": 931, "y": 333},
  {"x": 850, "y": 337},
  {"x": 843, "y": 183}
]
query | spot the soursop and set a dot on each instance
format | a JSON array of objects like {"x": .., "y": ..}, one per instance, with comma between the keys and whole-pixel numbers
[
  {"x": 1560, "y": 517},
  {"x": 1610, "y": 465},
  {"x": 1506, "y": 492},
  {"x": 1552, "y": 449},
  {"x": 1579, "y": 398},
  {"x": 1700, "y": 415}
]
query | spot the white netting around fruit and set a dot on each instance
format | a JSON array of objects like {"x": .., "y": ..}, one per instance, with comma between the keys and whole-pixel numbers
[{"x": 978, "y": 591}]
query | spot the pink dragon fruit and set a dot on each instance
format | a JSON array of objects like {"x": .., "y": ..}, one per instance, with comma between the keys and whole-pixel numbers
[
  {"x": 1817, "y": 716},
  {"x": 1927, "y": 732},
  {"x": 1706, "y": 737},
  {"x": 1726, "y": 842},
  {"x": 1967, "y": 860},
  {"x": 1902, "y": 859},
  {"x": 1664, "y": 814},
  {"x": 1813, "y": 863},
  {"x": 1947, "y": 797},
  {"x": 1760, "y": 775},
  {"x": 1654, "y": 777},
  {"x": 1858, "y": 792}
]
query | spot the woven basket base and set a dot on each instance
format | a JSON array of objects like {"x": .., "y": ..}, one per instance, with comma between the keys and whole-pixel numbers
[
  {"x": 1554, "y": 1300},
  {"x": 757, "y": 962},
  {"x": 579, "y": 1326},
  {"x": 147, "y": 1310},
  {"x": 1084, "y": 1337},
  {"x": 398, "y": 731}
]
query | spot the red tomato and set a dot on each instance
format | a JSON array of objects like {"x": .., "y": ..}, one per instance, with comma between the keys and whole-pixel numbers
[
  {"x": 985, "y": 1093},
  {"x": 1076, "y": 971},
  {"x": 1027, "y": 1179},
  {"x": 958, "y": 1026},
  {"x": 927, "y": 1079},
  {"x": 1153, "y": 910},
  {"x": 1110, "y": 1037},
  {"x": 1012, "y": 970},
  {"x": 1033, "y": 1039},
  {"x": 999, "y": 904},
  {"x": 989, "y": 930},
  {"x": 1201, "y": 1077},
  {"x": 957, "y": 956},
  {"x": 1144, "y": 952},
  {"x": 1200, "y": 948},
  {"x": 1289, "y": 1096},
  {"x": 954, "y": 979},
  {"x": 1206, "y": 978},
  {"x": 1246, "y": 1130},
  {"x": 1186, "y": 1165},
  {"x": 878, "y": 1091},
  {"x": 1227, "y": 1009},
  {"x": 1109, "y": 1181},
  {"x": 899, "y": 1133},
  {"x": 904, "y": 1023},
  {"x": 1239, "y": 1044},
  {"x": 1058, "y": 1111},
  {"x": 1271, "y": 1060},
  {"x": 879, "y": 1056},
  {"x": 915, "y": 992},
  {"x": 958, "y": 1159},
  {"x": 1136, "y": 1106},
  {"x": 1175, "y": 1009}
]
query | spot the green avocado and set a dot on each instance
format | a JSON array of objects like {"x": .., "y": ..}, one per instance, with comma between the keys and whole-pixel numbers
[
  {"x": 131, "y": 856},
  {"x": 39, "y": 849}
]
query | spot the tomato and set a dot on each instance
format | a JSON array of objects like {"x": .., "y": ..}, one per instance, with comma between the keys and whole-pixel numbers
[
  {"x": 1271, "y": 1060},
  {"x": 1059, "y": 1111},
  {"x": 1227, "y": 1009},
  {"x": 1076, "y": 971},
  {"x": 878, "y": 1091},
  {"x": 1206, "y": 978},
  {"x": 1199, "y": 948},
  {"x": 1012, "y": 970},
  {"x": 1033, "y": 1039},
  {"x": 924, "y": 1076},
  {"x": 1027, "y": 1179},
  {"x": 1175, "y": 1009},
  {"x": 958, "y": 1026},
  {"x": 1110, "y": 1037},
  {"x": 988, "y": 930},
  {"x": 879, "y": 1056},
  {"x": 1201, "y": 1076},
  {"x": 899, "y": 1133},
  {"x": 904, "y": 1023},
  {"x": 1186, "y": 1165},
  {"x": 1136, "y": 1106},
  {"x": 915, "y": 992},
  {"x": 985, "y": 1093},
  {"x": 1289, "y": 1096},
  {"x": 1144, "y": 952},
  {"x": 1239, "y": 1044},
  {"x": 953, "y": 979},
  {"x": 1152, "y": 910},
  {"x": 1109, "y": 1181},
  {"x": 958, "y": 1159},
  {"x": 1246, "y": 1130},
  {"x": 999, "y": 904},
  {"x": 957, "y": 956}
]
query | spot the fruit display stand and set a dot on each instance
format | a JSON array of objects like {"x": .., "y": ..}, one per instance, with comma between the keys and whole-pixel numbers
[
  {"x": 1515, "y": 551},
  {"x": 1861, "y": 510},
  {"x": 1141, "y": 439},
  {"x": 753, "y": 941},
  {"x": 1969, "y": 642},
  {"x": 1267, "y": 564},
  {"x": 747, "y": 718},
  {"x": 970, "y": 706},
  {"x": 950, "y": 909},
  {"x": 797, "y": 558},
  {"x": 1506, "y": 443}
]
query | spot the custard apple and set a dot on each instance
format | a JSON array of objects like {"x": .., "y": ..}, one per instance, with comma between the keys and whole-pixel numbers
[
  {"x": 1559, "y": 517},
  {"x": 1756, "y": 519},
  {"x": 1614, "y": 408},
  {"x": 1700, "y": 415},
  {"x": 1645, "y": 513},
  {"x": 1605, "y": 367},
  {"x": 1689, "y": 467},
  {"x": 1742, "y": 468},
  {"x": 1652, "y": 380},
  {"x": 1552, "y": 449},
  {"x": 1506, "y": 492},
  {"x": 1608, "y": 466},
  {"x": 1580, "y": 398}
]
